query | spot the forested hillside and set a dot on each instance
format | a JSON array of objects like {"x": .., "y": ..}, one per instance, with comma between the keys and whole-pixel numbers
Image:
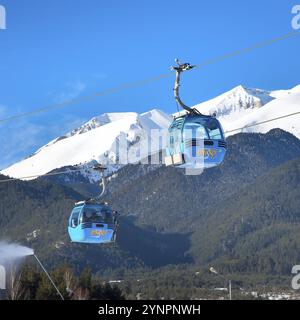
[{"x": 242, "y": 216}]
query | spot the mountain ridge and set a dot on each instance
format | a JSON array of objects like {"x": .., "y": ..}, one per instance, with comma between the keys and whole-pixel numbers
[{"x": 96, "y": 140}]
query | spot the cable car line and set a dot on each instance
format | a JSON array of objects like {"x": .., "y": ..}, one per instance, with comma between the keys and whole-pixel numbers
[
  {"x": 262, "y": 122},
  {"x": 255, "y": 46},
  {"x": 66, "y": 103},
  {"x": 143, "y": 82}
]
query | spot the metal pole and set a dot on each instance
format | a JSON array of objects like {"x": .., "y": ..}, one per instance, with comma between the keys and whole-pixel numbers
[
  {"x": 213, "y": 270},
  {"x": 48, "y": 275}
]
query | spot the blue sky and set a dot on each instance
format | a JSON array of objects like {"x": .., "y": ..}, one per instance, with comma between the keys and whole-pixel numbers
[{"x": 54, "y": 50}]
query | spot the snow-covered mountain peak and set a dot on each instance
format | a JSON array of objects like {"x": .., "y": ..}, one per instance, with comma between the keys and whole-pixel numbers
[
  {"x": 155, "y": 119},
  {"x": 235, "y": 101},
  {"x": 283, "y": 103},
  {"x": 101, "y": 120}
]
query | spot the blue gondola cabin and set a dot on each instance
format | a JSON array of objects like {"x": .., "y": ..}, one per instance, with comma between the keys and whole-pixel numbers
[
  {"x": 92, "y": 223},
  {"x": 195, "y": 141}
]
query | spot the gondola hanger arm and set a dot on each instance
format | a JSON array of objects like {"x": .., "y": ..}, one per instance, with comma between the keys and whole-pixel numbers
[{"x": 181, "y": 67}]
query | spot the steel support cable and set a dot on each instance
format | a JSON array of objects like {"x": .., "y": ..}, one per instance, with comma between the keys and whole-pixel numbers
[{"x": 143, "y": 82}]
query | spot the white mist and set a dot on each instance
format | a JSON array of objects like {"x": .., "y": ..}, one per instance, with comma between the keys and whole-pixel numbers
[{"x": 12, "y": 251}]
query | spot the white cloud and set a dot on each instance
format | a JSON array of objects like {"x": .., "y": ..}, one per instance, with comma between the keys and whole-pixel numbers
[
  {"x": 18, "y": 139},
  {"x": 72, "y": 91}
]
